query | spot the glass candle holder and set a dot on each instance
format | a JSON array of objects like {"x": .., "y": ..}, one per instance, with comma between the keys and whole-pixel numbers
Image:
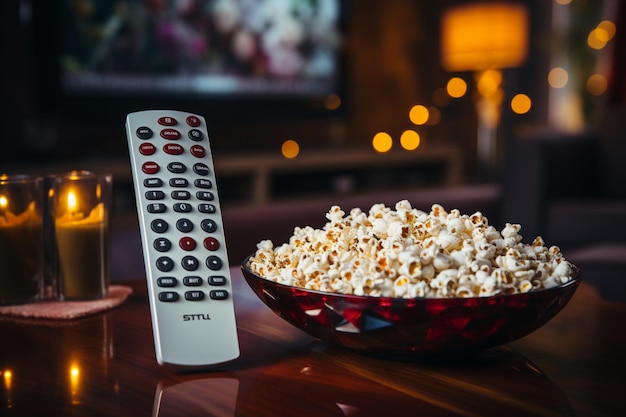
[
  {"x": 21, "y": 239},
  {"x": 79, "y": 204}
]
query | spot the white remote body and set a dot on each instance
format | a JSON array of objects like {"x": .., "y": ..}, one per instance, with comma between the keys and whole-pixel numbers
[{"x": 187, "y": 270}]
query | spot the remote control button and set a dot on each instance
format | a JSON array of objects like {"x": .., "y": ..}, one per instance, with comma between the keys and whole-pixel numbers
[
  {"x": 184, "y": 225},
  {"x": 164, "y": 264},
  {"x": 167, "y": 121},
  {"x": 144, "y": 132},
  {"x": 206, "y": 208},
  {"x": 201, "y": 169},
  {"x": 198, "y": 151},
  {"x": 208, "y": 225},
  {"x": 156, "y": 208},
  {"x": 150, "y": 167},
  {"x": 168, "y": 296},
  {"x": 155, "y": 195},
  {"x": 170, "y": 134},
  {"x": 187, "y": 243},
  {"x": 210, "y": 243},
  {"x": 193, "y": 121},
  {"x": 202, "y": 183},
  {"x": 173, "y": 149},
  {"x": 195, "y": 134},
  {"x": 176, "y": 167},
  {"x": 190, "y": 263},
  {"x": 217, "y": 280},
  {"x": 182, "y": 207},
  {"x": 152, "y": 182},
  {"x": 181, "y": 195},
  {"x": 178, "y": 182},
  {"x": 147, "y": 148},
  {"x": 192, "y": 281},
  {"x": 194, "y": 295},
  {"x": 162, "y": 244},
  {"x": 214, "y": 263},
  {"x": 218, "y": 294},
  {"x": 159, "y": 225},
  {"x": 167, "y": 282},
  {"x": 205, "y": 196}
]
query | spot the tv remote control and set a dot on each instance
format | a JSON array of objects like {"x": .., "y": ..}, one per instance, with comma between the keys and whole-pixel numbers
[{"x": 187, "y": 270}]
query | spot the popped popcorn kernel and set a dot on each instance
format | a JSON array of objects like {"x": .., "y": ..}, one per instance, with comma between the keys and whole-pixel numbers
[{"x": 406, "y": 253}]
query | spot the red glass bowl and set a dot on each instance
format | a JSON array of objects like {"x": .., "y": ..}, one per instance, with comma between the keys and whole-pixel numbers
[{"x": 413, "y": 326}]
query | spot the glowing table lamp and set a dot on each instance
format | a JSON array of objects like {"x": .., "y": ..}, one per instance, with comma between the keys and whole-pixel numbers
[{"x": 485, "y": 38}]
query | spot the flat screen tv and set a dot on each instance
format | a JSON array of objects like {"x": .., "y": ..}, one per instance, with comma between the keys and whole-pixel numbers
[{"x": 225, "y": 59}]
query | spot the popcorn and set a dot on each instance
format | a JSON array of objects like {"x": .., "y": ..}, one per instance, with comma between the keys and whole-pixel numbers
[{"x": 408, "y": 253}]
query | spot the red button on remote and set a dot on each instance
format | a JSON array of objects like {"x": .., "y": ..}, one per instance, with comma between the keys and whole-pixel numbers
[
  {"x": 150, "y": 167},
  {"x": 187, "y": 243},
  {"x": 147, "y": 149},
  {"x": 193, "y": 121},
  {"x": 170, "y": 134},
  {"x": 173, "y": 149},
  {"x": 210, "y": 243},
  {"x": 198, "y": 151},
  {"x": 167, "y": 121}
]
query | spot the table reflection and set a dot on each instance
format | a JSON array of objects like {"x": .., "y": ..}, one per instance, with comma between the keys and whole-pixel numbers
[
  {"x": 499, "y": 380},
  {"x": 70, "y": 374}
]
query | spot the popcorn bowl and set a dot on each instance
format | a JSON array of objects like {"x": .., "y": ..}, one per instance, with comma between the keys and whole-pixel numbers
[{"x": 412, "y": 326}]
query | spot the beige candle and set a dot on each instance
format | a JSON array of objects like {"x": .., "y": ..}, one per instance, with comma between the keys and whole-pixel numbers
[
  {"x": 21, "y": 254},
  {"x": 82, "y": 251}
]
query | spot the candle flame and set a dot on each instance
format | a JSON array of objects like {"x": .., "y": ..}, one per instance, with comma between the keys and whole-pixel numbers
[
  {"x": 4, "y": 202},
  {"x": 71, "y": 202}
]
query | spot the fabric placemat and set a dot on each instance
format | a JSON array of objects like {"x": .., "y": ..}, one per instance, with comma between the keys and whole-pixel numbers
[{"x": 67, "y": 310}]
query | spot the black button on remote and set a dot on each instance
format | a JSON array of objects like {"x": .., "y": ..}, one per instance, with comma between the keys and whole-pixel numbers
[
  {"x": 182, "y": 207},
  {"x": 217, "y": 280},
  {"x": 201, "y": 169},
  {"x": 206, "y": 208},
  {"x": 164, "y": 264},
  {"x": 159, "y": 225},
  {"x": 156, "y": 208},
  {"x": 167, "y": 282},
  {"x": 194, "y": 295},
  {"x": 162, "y": 244},
  {"x": 184, "y": 225},
  {"x": 168, "y": 296},
  {"x": 155, "y": 195},
  {"x": 176, "y": 167},
  {"x": 152, "y": 182},
  {"x": 208, "y": 225},
  {"x": 203, "y": 183},
  {"x": 218, "y": 294},
  {"x": 190, "y": 263},
  {"x": 144, "y": 132},
  {"x": 214, "y": 262},
  {"x": 192, "y": 281}
]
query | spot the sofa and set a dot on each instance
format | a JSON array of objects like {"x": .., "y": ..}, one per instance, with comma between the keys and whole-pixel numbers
[{"x": 571, "y": 189}]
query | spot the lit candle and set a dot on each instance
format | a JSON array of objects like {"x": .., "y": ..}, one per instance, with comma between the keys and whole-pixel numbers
[
  {"x": 21, "y": 250},
  {"x": 82, "y": 249}
]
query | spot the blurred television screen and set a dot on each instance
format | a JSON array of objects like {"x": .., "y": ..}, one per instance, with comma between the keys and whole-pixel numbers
[{"x": 201, "y": 48}]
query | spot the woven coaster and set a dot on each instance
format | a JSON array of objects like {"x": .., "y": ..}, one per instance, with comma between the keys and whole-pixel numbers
[{"x": 67, "y": 310}]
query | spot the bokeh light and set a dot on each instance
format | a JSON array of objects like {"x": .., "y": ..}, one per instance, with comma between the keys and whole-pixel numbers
[
  {"x": 597, "y": 84},
  {"x": 418, "y": 114},
  {"x": 521, "y": 104},
  {"x": 410, "y": 140},
  {"x": 456, "y": 87},
  {"x": 382, "y": 142},
  {"x": 290, "y": 149},
  {"x": 558, "y": 77}
]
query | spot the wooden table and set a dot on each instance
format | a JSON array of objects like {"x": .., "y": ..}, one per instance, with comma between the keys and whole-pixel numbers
[{"x": 105, "y": 366}]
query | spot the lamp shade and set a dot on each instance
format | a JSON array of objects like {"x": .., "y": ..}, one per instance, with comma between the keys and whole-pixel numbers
[{"x": 481, "y": 36}]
